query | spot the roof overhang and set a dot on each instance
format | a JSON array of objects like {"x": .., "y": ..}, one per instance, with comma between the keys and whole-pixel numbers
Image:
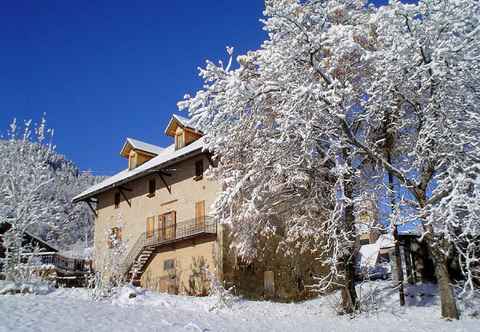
[{"x": 134, "y": 176}]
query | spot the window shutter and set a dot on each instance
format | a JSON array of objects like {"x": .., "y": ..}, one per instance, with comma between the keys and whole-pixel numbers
[
  {"x": 150, "y": 227},
  {"x": 200, "y": 213},
  {"x": 161, "y": 227}
]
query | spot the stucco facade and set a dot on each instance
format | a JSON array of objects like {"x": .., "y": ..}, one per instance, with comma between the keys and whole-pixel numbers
[{"x": 181, "y": 196}]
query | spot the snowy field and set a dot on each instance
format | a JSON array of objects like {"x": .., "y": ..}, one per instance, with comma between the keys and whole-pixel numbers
[{"x": 73, "y": 310}]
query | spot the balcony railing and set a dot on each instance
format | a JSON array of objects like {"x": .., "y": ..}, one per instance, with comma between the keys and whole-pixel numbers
[
  {"x": 61, "y": 262},
  {"x": 168, "y": 234},
  {"x": 179, "y": 231}
]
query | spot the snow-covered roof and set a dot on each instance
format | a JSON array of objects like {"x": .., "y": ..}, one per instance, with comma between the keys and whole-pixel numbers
[
  {"x": 182, "y": 121},
  {"x": 368, "y": 254},
  {"x": 385, "y": 241},
  {"x": 139, "y": 145},
  {"x": 165, "y": 157}
]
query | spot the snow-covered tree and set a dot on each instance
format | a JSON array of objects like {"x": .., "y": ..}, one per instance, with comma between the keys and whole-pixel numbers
[
  {"x": 337, "y": 86},
  {"x": 26, "y": 188},
  {"x": 36, "y": 189},
  {"x": 426, "y": 77},
  {"x": 110, "y": 272},
  {"x": 275, "y": 125}
]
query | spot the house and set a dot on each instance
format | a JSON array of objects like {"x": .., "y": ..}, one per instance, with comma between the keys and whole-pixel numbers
[
  {"x": 158, "y": 211},
  {"x": 48, "y": 263}
]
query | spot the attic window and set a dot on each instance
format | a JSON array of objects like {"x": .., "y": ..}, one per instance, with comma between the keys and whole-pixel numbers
[
  {"x": 117, "y": 200},
  {"x": 152, "y": 187}
]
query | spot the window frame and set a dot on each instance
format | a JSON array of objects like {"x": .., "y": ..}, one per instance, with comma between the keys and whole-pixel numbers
[
  {"x": 169, "y": 264},
  {"x": 115, "y": 234}
]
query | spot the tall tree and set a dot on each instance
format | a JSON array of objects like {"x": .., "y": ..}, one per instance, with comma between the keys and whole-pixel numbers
[
  {"x": 296, "y": 121},
  {"x": 274, "y": 124},
  {"x": 26, "y": 188},
  {"x": 427, "y": 72}
]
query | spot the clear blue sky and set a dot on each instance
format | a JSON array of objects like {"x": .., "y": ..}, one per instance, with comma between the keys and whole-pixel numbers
[{"x": 105, "y": 70}]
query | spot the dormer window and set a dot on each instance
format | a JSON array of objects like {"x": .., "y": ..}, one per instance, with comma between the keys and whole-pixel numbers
[
  {"x": 182, "y": 131},
  {"x": 137, "y": 152}
]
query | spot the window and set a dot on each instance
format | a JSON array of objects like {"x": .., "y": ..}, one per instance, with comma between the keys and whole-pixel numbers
[
  {"x": 168, "y": 264},
  {"x": 198, "y": 170},
  {"x": 200, "y": 213},
  {"x": 152, "y": 187},
  {"x": 114, "y": 237},
  {"x": 132, "y": 160},
  {"x": 179, "y": 140},
  {"x": 117, "y": 200}
]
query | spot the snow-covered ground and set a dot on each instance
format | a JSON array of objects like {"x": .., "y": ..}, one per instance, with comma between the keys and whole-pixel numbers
[{"x": 73, "y": 310}]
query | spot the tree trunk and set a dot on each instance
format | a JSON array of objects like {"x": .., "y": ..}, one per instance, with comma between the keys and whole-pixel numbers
[
  {"x": 398, "y": 262},
  {"x": 349, "y": 295},
  {"x": 389, "y": 142},
  {"x": 447, "y": 297},
  {"x": 408, "y": 262}
]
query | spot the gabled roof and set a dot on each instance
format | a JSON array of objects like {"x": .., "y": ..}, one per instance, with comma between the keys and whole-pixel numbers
[
  {"x": 5, "y": 226},
  {"x": 165, "y": 158},
  {"x": 134, "y": 144},
  {"x": 178, "y": 120}
]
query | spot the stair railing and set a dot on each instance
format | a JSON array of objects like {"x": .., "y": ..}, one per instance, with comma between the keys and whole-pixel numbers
[
  {"x": 161, "y": 235},
  {"x": 133, "y": 253}
]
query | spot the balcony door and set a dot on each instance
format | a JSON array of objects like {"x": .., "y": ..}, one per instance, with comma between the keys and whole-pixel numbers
[{"x": 168, "y": 225}]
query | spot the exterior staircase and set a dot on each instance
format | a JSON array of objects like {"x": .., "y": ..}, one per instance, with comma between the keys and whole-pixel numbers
[{"x": 144, "y": 249}]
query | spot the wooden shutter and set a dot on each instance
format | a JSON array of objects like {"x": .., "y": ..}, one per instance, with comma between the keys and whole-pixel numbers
[
  {"x": 200, "y": 213},
  {"x": 161, "y": 227},
  {"x": 150, "y": 227}
]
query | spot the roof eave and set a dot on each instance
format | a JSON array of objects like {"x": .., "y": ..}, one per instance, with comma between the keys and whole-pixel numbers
[{"x": 82, "y": 198}]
